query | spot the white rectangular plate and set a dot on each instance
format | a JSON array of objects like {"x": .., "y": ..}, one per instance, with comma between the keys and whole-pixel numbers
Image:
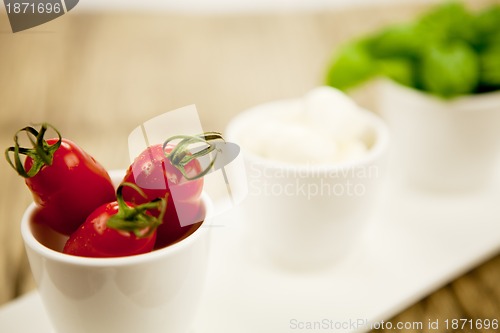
[{"x": 416, "y": 243}]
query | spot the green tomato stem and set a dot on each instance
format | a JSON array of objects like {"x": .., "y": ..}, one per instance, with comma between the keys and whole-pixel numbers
[
  {"x": 180, "y": 155},
  {"x": 135, "y": 219},
  {"x": 41, "y": 152}
]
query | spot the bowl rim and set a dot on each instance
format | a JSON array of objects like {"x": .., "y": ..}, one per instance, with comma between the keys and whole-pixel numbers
[
  {"x": 33, "y": 244},
  {"x": 381, "y": 145},
  {"x": 460, "y": 103}
]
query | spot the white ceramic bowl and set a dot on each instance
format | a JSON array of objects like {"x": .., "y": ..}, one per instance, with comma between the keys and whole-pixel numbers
[
  {"x": 307, "y": 216},
  {"x": 439, "y": 144},
  {"x": 149, "y": 293}
]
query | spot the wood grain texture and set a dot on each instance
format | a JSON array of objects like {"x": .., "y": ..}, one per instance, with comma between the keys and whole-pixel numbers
[
  {"x": 475, "y": 295},
  {"x": 97, "y": 76}
]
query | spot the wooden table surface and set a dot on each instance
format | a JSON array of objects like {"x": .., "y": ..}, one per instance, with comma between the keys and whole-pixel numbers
[{"x": 97, "y": 76}]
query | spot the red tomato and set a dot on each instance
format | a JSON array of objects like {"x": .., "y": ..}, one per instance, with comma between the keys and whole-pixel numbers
[
  {"x": 155, "y": 174},
  {"x": 157, "y": 177},
  {"x": 117, "y": 229},
  {"x": 66, "y": 183},
  {"x": 95, "y": 239},
  {"x": 171, "y": 230}
]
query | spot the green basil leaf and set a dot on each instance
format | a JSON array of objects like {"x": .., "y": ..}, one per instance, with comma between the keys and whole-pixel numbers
[
  {"x": 400, "y": 70},
  {"x": 449, "y": 70},
  {"x": 399, "y": 41},
  {"x": 489, "y": 62},
  {"x": 448, "y": 23},
  {"x": 352, "y": 66}
]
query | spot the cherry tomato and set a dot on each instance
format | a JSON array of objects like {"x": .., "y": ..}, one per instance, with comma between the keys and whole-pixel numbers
[
  {"x": 67, "y": 184},
  {"x": 117, "y": 229},
  {"x": 155, "y": 175},
  {"x": 170, "y": 171}
]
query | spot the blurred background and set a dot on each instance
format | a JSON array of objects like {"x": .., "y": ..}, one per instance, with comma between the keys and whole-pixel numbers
[
  {"x": 242, "y": 6},
  {"x": 105, "y": 67}
]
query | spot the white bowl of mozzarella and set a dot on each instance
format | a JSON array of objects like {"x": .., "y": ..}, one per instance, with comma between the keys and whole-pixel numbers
[
  {"x": 314, "y": 167},
  {"x": 324, "y": 127}
]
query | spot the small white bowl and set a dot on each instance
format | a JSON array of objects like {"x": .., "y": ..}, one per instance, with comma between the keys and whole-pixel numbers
[
  {"x": 151, "y": 293},
  {"x": 308, "y": 216},
  {"x": 442, "y": 145}
]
